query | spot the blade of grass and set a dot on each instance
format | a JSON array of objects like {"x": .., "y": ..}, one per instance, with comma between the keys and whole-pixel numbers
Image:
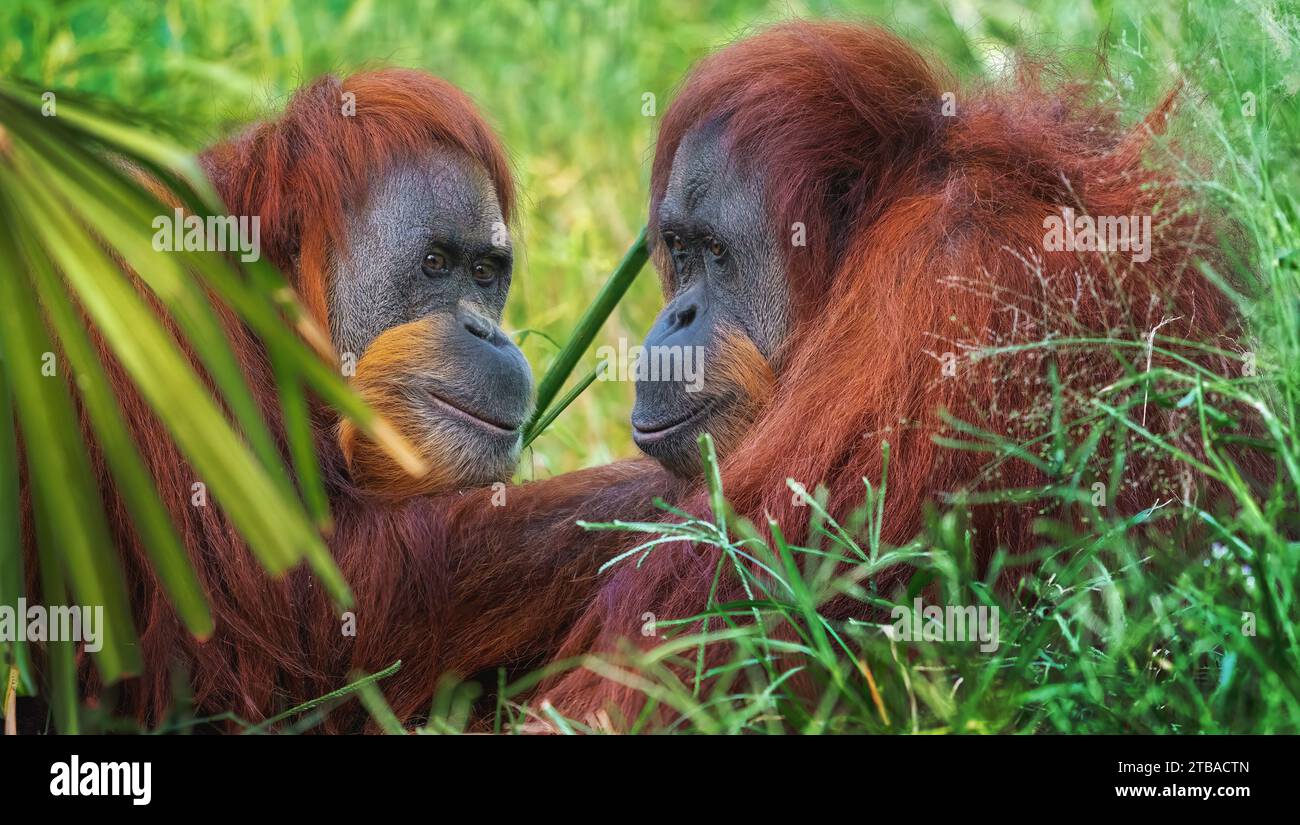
[
  {"x": 301, "y": 441},
  {"x": 331, "y": 697},
  {"x": 379, "y": 709},
  {"x": 585, "y": 331},
  {"x": 562, "y": 404}
]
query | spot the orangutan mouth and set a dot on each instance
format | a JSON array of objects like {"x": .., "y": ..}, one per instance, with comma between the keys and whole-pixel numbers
[
  {"x": 653, "y": 433},
  {"x": 456, "y": 411}
]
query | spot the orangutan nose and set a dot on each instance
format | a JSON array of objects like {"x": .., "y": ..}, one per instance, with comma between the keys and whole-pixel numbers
[{"x": 482, "y": 328}]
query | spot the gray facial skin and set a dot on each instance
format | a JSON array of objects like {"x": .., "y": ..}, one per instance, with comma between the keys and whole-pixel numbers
[
  {"x": 727, "y": 276},
  {"x": 429, "y": 245}
]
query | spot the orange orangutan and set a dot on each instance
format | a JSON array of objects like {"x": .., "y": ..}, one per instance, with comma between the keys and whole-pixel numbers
[
  {"x": 836, "y": 238},
  {"x": 828, "y": 204},
  {"x": 391, "y": 222}
]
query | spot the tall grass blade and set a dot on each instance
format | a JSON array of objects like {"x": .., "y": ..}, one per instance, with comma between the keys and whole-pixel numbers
[{"x": 585, "y": 332}]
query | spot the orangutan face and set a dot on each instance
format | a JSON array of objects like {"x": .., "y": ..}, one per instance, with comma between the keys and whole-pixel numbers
[
  {"x": 417, "y": 296},
  {"x": 728, "y": 310}
]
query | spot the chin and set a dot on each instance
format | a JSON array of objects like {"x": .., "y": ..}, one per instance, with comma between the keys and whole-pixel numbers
[
  {"x": 726, "y": 417},
  {"x": 461, "y": 453},
  {"x": 679, "y": 456},
  {"x": 677, "y": 448},
  {"x": 465, "y": 454}
]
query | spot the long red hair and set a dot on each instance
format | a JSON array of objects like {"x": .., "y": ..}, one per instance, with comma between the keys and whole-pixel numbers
[
  {"x": 432, "y": 578},
  {"x": 925, "y": 239}
]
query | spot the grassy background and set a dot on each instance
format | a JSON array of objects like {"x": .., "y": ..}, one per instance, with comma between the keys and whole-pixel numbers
[
  {"x": 1126, "y": 633},
  {"x": 564, "y": 84}
]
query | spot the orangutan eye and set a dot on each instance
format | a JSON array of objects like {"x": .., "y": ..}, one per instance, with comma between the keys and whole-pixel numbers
[
  {"x": 674, "y": 241},
  {"x": 484, "y": 273},
  {"x": 435, "y": 263},
  {"x": 717, "y": 248}
]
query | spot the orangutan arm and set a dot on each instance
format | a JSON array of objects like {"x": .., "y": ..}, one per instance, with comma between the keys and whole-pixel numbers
[
  {"x": 519, "y": 573},
  {"x": 455, "y": 584}
]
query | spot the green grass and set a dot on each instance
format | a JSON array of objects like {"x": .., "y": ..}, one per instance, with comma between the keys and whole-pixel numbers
[{"x": 1119, "y": 630}]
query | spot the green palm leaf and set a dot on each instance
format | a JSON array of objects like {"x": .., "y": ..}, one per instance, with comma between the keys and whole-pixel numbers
[{"x": 70, "y": 217}]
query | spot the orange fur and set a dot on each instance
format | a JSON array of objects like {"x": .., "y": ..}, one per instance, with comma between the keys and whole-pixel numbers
[
  {"x": 926, "y": 236},
  {"x": 389, "y": 373},
  {"x": 433, "y": 579},
  {"x": 741, "y": 375}
]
